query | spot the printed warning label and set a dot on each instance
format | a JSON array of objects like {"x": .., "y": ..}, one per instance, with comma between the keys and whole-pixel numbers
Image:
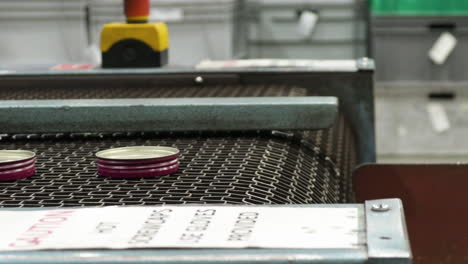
[{"x": 180, "y": 227}]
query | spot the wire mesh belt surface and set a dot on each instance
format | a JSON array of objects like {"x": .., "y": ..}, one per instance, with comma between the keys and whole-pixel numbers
[
  {"x": 269, "y": 167},
  {"x": 33, "y": 93}
]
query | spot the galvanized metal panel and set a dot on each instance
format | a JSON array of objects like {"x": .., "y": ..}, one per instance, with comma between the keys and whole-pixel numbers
[
  {"x": 272, "y": 29},
  {"x": 254, "y": 256},
  {"x": 402, "y": 44},
  {"x": 387, "y": 238}
]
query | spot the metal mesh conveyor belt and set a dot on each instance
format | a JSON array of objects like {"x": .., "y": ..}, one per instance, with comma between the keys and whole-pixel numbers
[
  {"x": 34, "y": 93},
  {"x": 251, "y": 167}
]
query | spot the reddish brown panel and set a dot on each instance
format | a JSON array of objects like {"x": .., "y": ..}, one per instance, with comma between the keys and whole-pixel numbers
[{"x": 435, "y": 198}]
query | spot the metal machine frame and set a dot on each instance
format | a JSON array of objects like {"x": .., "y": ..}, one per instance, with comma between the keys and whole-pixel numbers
[
  {"x": 384, "y": 241},
  {"x": 352, "y": 85},
  {"x": 382, "y": 228}
]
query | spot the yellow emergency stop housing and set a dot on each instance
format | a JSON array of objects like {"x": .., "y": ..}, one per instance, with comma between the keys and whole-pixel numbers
[{"x": 134, "y": 45}]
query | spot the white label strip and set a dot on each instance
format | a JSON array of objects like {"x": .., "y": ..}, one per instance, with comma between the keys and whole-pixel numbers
[
  {"x": 442, "y": 48},
  {"x": 180, "y": 227},
  {"x": 307, "y": 22},
  {"x": 325, "y": 65},
  {"x": 438, "y": 116},
  {"x": 167, "y": 14}
]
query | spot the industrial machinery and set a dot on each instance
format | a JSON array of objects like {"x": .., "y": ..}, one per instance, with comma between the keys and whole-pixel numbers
[
  {"x": 135, "y": 43},
  {"x": 268, "y": 138}
]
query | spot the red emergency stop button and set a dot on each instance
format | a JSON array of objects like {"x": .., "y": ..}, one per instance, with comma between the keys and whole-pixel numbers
[{"x": 137, "y": 11}]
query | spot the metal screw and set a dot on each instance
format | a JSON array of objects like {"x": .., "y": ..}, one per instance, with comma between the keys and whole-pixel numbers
[
  {"x": 199, "y": 80},
  {"x": 380, "y": 207}
]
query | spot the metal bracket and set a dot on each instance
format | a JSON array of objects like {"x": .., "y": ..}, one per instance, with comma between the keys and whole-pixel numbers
[
  {"x": 182, "y": 114},
  {"x": 387, "y": 238}
]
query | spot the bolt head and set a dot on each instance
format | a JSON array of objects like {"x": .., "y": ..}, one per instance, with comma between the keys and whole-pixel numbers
[
  {"x": 380, "y": 207},
  {"x": 199, "y": 79}
]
